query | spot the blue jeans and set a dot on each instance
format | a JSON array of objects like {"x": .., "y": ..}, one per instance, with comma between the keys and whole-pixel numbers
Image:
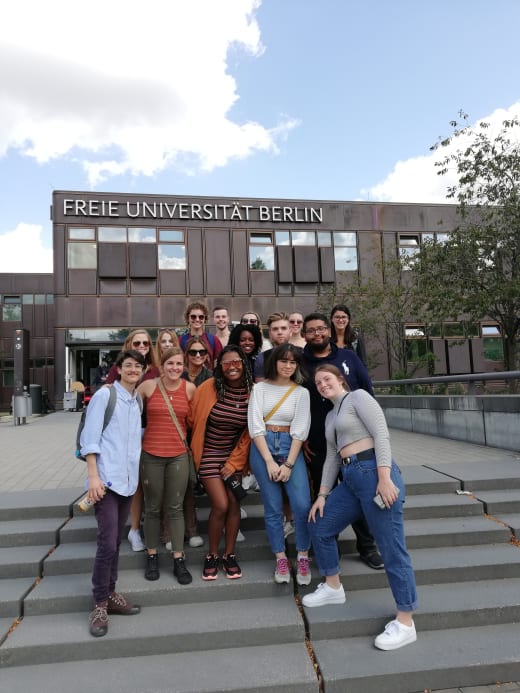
[
  {"x": 351, "y": 499},
  {"x": 297, "y": 488},
  {"x": 111, "y": 515}
]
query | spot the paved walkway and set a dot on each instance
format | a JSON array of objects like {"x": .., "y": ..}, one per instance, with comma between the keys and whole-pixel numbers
[{"x": 40, "y": 455}]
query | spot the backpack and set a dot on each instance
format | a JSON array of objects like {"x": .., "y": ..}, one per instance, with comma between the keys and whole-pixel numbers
[{"x": 111, "y": 405}]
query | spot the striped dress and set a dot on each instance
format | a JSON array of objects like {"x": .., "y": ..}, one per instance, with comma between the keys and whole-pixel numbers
[{"x": 225, "y": 424}]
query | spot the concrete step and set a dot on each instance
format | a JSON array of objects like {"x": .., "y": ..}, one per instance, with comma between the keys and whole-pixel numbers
[
  {"x": 40, "y": 531},
  {"x": 422, "y": 480},
  {"x": 477, "y": 476},
  {"x": 441, "y": 606},
  {"x": 25, "y": 505},
  {"x": 12, "y": 593},
  {"x": 440, "y": 505},
  {"x": 284, "y": 668},
  {"x": 73, "y": 592},
  {"x": 440, "y": 659},
  {"x": 156, "y": 630},
  {"x": 454, "y": 531},
  {"x": 24, "y": 561},
  {"x": 498, "y": 502}
]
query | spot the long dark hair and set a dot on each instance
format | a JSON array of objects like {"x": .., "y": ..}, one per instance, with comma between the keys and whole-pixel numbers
[
  {"x": 350, "y": 332},
  {"x": 220, "y": 384}
]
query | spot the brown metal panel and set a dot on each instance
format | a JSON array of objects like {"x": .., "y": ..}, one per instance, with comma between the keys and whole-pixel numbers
[
  {"x": 82, "y": 282},
  {"x": 284, "y": 263},
  {"x": 172, "y": 282},
  {"x": 262, "y": 283},
  {"x": 112, "y": 286},
  {"x": 240, "y": 272},
  {"x": 438, "y": 348},
  {"x": 369, "y": 254},
  {"x": 327, "y": 269},
  {"x": 39, "y": 322},
  {"x": 143, "y": 260},
  {"x": 112, "y": 260},
  {"x": 479, "y": 362},
  {"x": 59, "y": 254},
  {"x": 306, "y": 268},
  {"x": 144, "y": 312},
  {"x": 458, "y": 355},
  {"x": 218, "y": 262},
  {"x": 171, "y": 311},
  {"x": 195, "y": 263},
  {"x": 143, "y": 286},
  {"x": 114, "y": 310}
]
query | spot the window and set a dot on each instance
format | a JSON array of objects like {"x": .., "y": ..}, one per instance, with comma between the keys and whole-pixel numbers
[
  {"x": 409, "y": 245},
  {"x": 12, "y": 308},
  {"x": 261, "y": 251},
  {"x": 453, "y": 330},
  {"x": 81, "y": 256},
  {"x": 111, "y": 234},
  {"x": 345, "y": 251},
  {"x": 81, "y": 234},
  {"x": 492, "y": 343},
  {"x": 142, "y": 235},
  {"x": 171, "y": 250}
]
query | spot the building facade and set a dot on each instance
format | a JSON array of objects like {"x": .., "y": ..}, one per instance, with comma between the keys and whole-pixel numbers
[{"x": 123, "y": 261}]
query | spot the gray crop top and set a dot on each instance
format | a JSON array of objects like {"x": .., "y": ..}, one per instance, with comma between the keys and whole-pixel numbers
[{"x": 360, "y": 416}]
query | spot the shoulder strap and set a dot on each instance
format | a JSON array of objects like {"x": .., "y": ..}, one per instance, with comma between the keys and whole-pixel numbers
[
  {"x": 280, "y": 402},
  {"x": 172, "y": 412},
  {"x": 111, "y": 405}
]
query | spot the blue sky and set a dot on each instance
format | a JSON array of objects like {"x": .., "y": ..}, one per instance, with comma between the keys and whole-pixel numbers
[{"x": 328, "y": 99}]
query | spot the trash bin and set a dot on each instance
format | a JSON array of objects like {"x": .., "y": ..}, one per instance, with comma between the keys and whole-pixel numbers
[
  {"x": 36, "y": 392},
  {"x": 20, "y": 406},
  {"x": 69, "y": 401}
]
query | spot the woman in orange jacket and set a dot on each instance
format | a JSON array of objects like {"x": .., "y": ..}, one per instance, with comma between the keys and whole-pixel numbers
[{"x": 220, "y": 444}]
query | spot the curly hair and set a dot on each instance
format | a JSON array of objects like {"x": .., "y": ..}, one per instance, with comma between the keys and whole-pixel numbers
[
  {"x": 220, "y": 384},
  {"x": 236, "y": 333}
]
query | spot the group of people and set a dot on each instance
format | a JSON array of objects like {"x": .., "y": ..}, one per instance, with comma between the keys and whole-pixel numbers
[{"x": 296, "y": 410}]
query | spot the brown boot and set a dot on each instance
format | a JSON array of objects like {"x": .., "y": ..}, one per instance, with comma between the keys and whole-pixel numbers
[
  {"x": 98, "y": 620},
  {"x": 118, "y": 604}
]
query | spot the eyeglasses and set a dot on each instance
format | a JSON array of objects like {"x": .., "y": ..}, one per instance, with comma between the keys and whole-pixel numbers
[
  {"x": 311, "y": 331},
  {"x": 339, "y": 317},
  {"x": 249, "y": 321},
  {"x": 288, "y": 362},
  {"x": 197, "y": 317},
  {"x": 235, "y": 363},
  {"x": 197, "y": 352},
  {"x": 296, "y": 322},
  {"x": 132, "y": 366},
  {"x": 138, "y": 342}
]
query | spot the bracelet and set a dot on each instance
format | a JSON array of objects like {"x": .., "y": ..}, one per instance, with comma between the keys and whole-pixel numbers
[
  {"x": 289, "y": 466},
  {"x": 323, "y": 495}
]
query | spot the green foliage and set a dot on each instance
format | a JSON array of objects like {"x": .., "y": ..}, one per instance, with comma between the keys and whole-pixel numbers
[{"x": 480, "y": 261}]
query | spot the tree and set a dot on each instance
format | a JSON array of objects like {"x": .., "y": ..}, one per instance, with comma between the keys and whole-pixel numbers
[
  {"x": 384, "y": 304},
  {"x": 258, "y": 264},
  {"x": 476, "y": 272}
]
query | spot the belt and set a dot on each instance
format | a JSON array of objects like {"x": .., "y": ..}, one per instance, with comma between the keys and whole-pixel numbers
[
  {"x": 278, "y": 429},
  {"x": 363, "y": 455}
]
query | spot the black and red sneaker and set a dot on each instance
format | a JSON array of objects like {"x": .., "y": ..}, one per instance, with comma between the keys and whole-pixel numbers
[
  {"x": 210, "y": 570},
  {"x": 231, "y": 567}
]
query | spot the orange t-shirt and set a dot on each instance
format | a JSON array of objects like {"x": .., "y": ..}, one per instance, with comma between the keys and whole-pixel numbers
[{"x": 161, "y": 437}]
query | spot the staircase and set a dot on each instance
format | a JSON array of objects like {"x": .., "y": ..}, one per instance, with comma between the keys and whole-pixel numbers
[{"x": 250, "y": 634}]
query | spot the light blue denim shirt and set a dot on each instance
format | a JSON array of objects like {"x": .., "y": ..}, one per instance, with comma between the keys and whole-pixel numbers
[{"x": 118, "y": 447}]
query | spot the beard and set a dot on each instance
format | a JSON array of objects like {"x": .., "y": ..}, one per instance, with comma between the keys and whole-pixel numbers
[{"x": 318, "y": 348}]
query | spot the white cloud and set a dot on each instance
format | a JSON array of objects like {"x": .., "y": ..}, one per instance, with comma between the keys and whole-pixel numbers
[
  {"x": 22, "y": 250},
  {"x": 416, "y": 179},
  {"x": 127, "y": 87}
]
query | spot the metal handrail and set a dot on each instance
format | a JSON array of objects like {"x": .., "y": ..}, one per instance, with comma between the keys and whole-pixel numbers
[{"x": 471, "y": 378}]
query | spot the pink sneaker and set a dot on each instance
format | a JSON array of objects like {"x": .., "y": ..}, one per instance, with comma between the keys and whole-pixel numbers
[
  {"x": 283, "y": 572},
  {"x": 303, "y": 571}
]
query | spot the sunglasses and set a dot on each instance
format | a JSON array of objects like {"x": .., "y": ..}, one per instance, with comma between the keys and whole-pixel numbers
[
  {"x": 296, "y": 322},
  {"x": 249, "y": 321},
  {"x": 197, "y": 317},
  {"x": 231, "y": 364},
  {"x": 197, "y": 352},
  {"x": 138, "y": 342}
]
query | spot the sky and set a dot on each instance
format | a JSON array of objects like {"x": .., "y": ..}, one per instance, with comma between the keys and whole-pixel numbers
[{"x": 297, "y": 99}]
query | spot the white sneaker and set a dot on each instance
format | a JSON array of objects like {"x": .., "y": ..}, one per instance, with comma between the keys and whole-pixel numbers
[
  {"x": 240, "y": 536},
  {"x": 395, "y": 635},
  {"x": 136, "y": 541},
  {"x": 195, "y": 541},
  {"x": 243, "y": 514},
  {"x": 288, "y": 528},
  {"x": 325, "y": 595}
]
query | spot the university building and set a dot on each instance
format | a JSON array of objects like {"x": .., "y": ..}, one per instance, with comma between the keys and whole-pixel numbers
[{"x": 123, "y": 261}]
